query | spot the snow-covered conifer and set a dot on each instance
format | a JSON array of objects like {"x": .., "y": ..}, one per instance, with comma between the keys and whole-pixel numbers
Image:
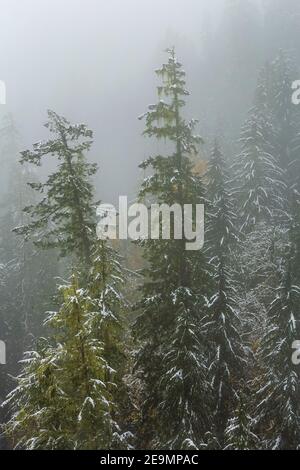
[
  {"x": 64, "y": 217},
  {"x": 239, "y": 434},
  {"x": 278, "y": 410},
  {"x": 226, "y": 360},
  {"x": 171, "y": 359},
  {"x": 62, "y": 399}
]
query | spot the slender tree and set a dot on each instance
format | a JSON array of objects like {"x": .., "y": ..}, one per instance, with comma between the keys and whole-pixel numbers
[
  {"x": 227, "y": 359},
  {"x": 171, "y": 358},
  {"x": 106, "y": 289}
]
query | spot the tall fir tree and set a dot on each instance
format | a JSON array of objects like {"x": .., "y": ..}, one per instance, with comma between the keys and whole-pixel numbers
[
  {"x": 278, "y": 410},
  {"x": 261, "y": 200},
  {"x": 171, "y": 359}
]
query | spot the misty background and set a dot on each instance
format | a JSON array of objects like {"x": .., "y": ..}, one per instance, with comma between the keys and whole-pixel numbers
[{"x": 93, "y": 62}]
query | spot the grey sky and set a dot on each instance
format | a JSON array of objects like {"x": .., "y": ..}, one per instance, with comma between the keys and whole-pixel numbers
[{"x": 93, "y": 61}]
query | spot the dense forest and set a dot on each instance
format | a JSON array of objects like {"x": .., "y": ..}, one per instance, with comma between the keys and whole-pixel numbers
[{"x": 143, "y": 344}]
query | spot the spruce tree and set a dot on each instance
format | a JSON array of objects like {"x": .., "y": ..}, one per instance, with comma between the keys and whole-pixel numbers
[
  {"x": 63, "y": 398},
  {"x": 261, "y": 199},
  {"x": 223, "y": 232},
  {"x": 286, "y": 114},
  {"x": 23, "y": 296},
  {"x": 171, "y": 359},
  {"x": 278, "y": 409},
  {"x": 64, "y": 220},
  {"x": 260, "y": 188},
  {"x": 287, "y": 118},
  {"x": 295, "y": 222},
  {"x": 263, "y": 111},
  {"x": 64, "y": 217},
  {"x": 260, "y": 169},
  {"x": 106, "y": 288},
  {"x": 226, "y": 362},
  {"x": 239, "y": 434}
]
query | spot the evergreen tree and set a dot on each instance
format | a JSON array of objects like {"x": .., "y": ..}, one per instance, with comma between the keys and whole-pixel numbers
[
  {"x": 63, "y": 398},
  {"x": 226, "y": 357},
  {"x": 64, "y": 217},
  {"x": 286, "y": 114},
  {"x": 239, "y": 433},
  {"x": 288, "y": 121},
  {"x": 106, "y": 290},
  {"x": 278, "y": 411},
  {"x": 294, "y": 207},
  {"x": 23, "y": 296},
  {"x": 64, "y": 220},
  {"x": 171, "y": 358},
  {"x": 262, "y": 198},
  {"x": 260, "y": 169},
  {"x": 259, "y": 179},
  {"x": 223, "y": 233},
  {"x": 263, "y": 110},
  {"x": 295, "y": 233}
]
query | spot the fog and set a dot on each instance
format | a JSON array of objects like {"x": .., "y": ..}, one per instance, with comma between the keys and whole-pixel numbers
[{"x": 93, "y": 62}]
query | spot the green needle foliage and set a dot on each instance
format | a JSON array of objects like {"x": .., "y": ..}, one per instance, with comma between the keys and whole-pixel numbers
[
  {"x": 64, "y": 217},
  {"x": 62, "y": 400}
]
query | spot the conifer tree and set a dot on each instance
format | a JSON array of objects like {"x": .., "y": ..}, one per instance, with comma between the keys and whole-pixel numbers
[
  {"x": 239, "y": 434},
  {"x": 171, "y": 358},
  {"x": 23, "y": 296},
  {"x": 294, "y": 209},
  {"x": 106, "y": 290},
  {"x": 227, "y": 360},
  {"x": 223, "y": 233},
  {"x": 295, "y": 224},
  {"x": 285, "y": 117},
  {"x": 63, "y": 398},
  {"x": 263, "y": 111},
  {"x": 90, "y": 319},
  {"x": 260, "y": 169},
  {"x": 278, "y": 410},
  {"x": 262, "y": 197},
  {"x": 260, "y": 188},
  {"x": 64, "y": 217},
  {"x": 286, "y": 114}
]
